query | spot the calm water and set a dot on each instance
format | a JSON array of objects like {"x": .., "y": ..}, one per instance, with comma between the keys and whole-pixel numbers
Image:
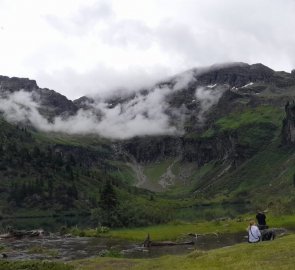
[{"x": 51, "y": 224}]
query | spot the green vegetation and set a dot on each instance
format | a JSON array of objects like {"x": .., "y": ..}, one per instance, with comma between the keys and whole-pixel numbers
[
  {"x": 268, "y": 172},
  {"x": 259, "y": 115},
  {"x": 124, "y": 173},
  {"x": 278, "y": 254},
  {"x": 177, "y": 229},
  {"x": 254, "y": 128},
  {"x": 261, "y": 121},
  {"x": 174, "y": 231},
  {"x": 4, "y": 249},
  {"x": 55, "y": 174},
  {"x": 133, "y": 210},
  {"x": 33, "y": 265},
  {"x": 264, "y": 167},
  {"x": 78, "y": 168},
  {"x": 156, "y": 170},
  {"x": 113, "y": 253},
  {"x": 209, "y": 133},
  {"x": 97, "y": 232}
]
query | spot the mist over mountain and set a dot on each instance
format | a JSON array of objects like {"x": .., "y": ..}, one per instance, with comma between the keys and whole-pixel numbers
[{"x": 163, "y": 109}]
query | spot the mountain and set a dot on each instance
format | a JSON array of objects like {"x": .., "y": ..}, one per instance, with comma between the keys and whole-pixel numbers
[{"x": 222, "y": 134}]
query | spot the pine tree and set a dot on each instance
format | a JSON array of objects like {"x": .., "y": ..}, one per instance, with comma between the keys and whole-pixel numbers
[
  {"x": 108, "y": 198},
  {"x": 109, "y": 205},
  {"x": 50, "y": 188}
]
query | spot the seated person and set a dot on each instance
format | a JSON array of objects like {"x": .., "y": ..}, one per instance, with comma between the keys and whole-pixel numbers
[
  {"x": 260, "y": 217},
  {"x": 266, "y": 234},
  {"x": 254, "y": 234}
]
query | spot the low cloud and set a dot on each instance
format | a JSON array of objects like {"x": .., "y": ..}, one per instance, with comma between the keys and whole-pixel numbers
[
  {"x": 208, "y": 96},
  {"x": 143, "y": 113},
  {"x": 184, "y": 79},
  {"x": 102, "y": 80}
]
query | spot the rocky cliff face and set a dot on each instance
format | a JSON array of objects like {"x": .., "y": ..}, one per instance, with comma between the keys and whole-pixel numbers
[
  {"x": 149, "y": 149},
  {"x": 223, "y": 147},
  {"x": 15, "y": 84},
  {"x": 235, "y": 74},
  {"x": 51, "y": 103},
  {"x": 288, "y": 130},
  {"x": 197, "y": 150}
]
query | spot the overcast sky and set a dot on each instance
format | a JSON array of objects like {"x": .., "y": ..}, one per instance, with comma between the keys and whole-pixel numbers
[{"x": 79, "y": 47}]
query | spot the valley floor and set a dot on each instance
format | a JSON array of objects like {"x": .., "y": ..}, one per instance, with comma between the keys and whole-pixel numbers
[{"x": 277, "y": 254}]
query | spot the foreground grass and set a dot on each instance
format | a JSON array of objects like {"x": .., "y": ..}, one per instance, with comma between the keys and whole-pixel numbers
[
  {"x": 278, "y": 254},
  {"x": 33, "y": 265}
]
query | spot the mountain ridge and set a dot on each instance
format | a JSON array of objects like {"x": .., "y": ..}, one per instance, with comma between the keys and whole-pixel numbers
[
  {"x": 190, "y": 93},
  {"x": 199, "y": 135}
]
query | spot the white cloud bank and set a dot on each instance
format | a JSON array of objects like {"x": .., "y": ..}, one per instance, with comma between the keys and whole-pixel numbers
[
  {"x": 89, "y": 46},
  {"x": 208, "y": 96},
  {"x": 146, "y": 113},
  {"x": 141, "y": 116}
]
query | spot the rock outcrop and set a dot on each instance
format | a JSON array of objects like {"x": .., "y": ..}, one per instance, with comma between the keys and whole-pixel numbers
[
  {"x": 288, "y": 130},
  {"x": 235, "y": 74},
  {"x": 13, "y": 84},
  {"x": 51, "y": 103}
]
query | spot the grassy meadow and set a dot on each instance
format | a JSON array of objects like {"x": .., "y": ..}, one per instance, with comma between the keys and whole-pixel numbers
[
  {"x": 278, "y": 254},
  {"x": 175, "y": 230}
]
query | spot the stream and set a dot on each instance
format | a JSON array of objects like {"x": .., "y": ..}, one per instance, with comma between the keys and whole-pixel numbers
[{"x": 72, "y": 248}]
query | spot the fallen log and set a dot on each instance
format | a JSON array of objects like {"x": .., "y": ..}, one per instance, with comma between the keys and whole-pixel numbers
[
  {"x": 169, "y": 243},
  {"x": 148, "y": 243}
]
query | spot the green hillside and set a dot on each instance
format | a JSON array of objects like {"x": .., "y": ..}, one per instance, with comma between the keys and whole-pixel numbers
[
  {"x": 53, "y": 173},
  {"x": 233, "y": 150}
]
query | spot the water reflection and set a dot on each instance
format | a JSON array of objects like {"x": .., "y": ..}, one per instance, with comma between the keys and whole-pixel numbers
[{"x": 50, "y": 223}]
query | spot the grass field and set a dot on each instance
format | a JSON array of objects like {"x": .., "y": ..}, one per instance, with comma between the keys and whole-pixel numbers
[
  {"x": 177, "y": 229},
  {"x": 273, "y": 255}
]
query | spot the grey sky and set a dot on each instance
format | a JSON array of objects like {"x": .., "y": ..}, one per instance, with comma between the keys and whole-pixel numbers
[{"x": 91, "y": 46}]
